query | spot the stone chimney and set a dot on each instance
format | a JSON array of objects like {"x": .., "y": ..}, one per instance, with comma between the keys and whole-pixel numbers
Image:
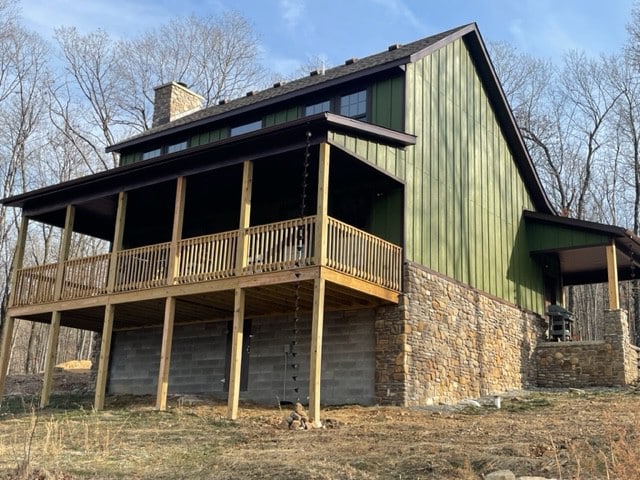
[{"x": 174, "y": 100}]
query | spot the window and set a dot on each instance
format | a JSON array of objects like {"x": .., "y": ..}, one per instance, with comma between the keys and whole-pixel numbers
[
  {"x": 151, "y": 154},
  {"x": 317, "y": 108},
  {"x": 176, "y": 147},
  {"x": 354, "y": 105},
  {"x": 246, "y": 128}
]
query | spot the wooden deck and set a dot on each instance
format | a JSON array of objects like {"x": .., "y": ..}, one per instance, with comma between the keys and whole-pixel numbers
[{"x": 358, "y": 265}]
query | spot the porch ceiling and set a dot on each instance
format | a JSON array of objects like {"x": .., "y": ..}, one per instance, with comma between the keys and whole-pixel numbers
[{"x": 260, "y": 301}]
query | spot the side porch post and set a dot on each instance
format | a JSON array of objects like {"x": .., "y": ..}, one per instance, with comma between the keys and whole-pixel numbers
[
  {"x": 9, "y": 322},
  {"x": 109, "y": 310},
  {"x": 54, "y": 328},
  {"x": 239, "y": 295},
  {"x": 612, "y": 271},
  {"x": 317, "y": 319},
  {"x": 170, "y": 302}
]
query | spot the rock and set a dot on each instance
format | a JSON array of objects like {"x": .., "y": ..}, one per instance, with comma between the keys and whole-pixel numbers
[
  {"x": 469, "y": 402},
  {"x": 577, "y": 391},
  {"x": 500, "y": 475},
  {"x": 295, "y": 425}
]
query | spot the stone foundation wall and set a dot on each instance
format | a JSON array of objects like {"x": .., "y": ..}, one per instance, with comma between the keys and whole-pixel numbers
[
  {"x": 447, "y": 341},
  {"x": 605, "y": 363}
]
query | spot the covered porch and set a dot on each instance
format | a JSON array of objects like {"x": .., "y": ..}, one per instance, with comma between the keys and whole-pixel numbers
[{"x": 310, "y": 235}]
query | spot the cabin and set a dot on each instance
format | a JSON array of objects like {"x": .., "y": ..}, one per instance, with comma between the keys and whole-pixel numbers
[{"x": 372, "y": 233}]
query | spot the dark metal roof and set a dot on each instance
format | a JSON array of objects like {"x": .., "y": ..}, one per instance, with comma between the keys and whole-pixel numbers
[{"x": 363, "y": 67}]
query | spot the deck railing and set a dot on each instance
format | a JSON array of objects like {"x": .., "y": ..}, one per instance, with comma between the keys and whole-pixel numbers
[
  {"x": 360, "y": 254},
  {"x": 85, "y": 277},
  {"x": 143, "y": 267},
  {"x": 280, "y": 246},
  {"x": 277, "y": 246},
  {"x": 209, "y": 257},
  {"x": 35, "y": 284}
]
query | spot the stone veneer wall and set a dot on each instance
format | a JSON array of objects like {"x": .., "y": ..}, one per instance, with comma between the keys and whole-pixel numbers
[
  {"x": 447, "y": 341},
  {"x": 609, "y": 362}
]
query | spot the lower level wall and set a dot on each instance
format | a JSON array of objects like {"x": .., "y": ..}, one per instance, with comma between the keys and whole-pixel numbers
[
  {"x": 199, "y": 359},
  {"x": 446, "y": 342}
]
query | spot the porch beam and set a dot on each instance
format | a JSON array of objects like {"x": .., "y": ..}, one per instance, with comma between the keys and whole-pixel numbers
[
  {"x": 9, "y": 322},
  {"x": 54, "y": 328},
  {"x": 322, "y": 212},
  {"x": 165, "y": 353},
  {"x": 315, "y": 360},
  {"x": 236, "y": 354},
  {"x": 242, "y": 252},
  {"x": 612, "y": 272}
]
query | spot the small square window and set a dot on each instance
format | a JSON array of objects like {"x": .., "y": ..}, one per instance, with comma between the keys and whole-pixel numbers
[{"x": 354, "y": 105}]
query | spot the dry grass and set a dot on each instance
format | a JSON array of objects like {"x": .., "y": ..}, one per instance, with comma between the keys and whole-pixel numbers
[{"x": 592, "y": 436}]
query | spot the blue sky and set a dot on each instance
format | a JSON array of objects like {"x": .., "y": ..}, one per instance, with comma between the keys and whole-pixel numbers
[{"x": 292, "y": 31}]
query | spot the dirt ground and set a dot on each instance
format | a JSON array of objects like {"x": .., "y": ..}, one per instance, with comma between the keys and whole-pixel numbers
[{"x": 589, "y": 434}]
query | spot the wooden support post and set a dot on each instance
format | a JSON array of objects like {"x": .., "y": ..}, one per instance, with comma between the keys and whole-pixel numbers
[
  {"x": 178, "y": 219},
  {"x": 612, "y": 270},
  {"x": 170, "y": 302},
  {"x": 109, "y": 311},
  {"x": 54, "y": 328},
  {"x": 105, "y": 351},
  {"x": 9, "y": 322},
  {"x": 245, "y": 217},
  {"x": 50, "y": 359},
  {"x": 65, "y": 245},
  {"x": 315, "y": 366},
  {"x": 322, "y": 212},
  {"x": 5, "y": 351},
  {"x": 116, "y": 244},
  {"x": 165, "y": 353},
  {"x": 236, "y": 355}
]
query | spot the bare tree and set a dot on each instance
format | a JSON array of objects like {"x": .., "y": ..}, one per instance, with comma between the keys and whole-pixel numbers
[{"x": 218, "y": 57}]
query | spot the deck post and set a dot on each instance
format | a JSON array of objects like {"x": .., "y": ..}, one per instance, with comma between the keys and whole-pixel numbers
[
  {"x": 170, "y": 302},
  {"x": 165, "y": 353},
  {"x": 612, "y": 270},
  {"x": 317, "y": 318},
  {"x": 242, "y": 255},
  {"x": 245, "y": 217},
  {"x": 236, "y": 354},
  {"x": 9, "y": 322},
  {"x": 109, "y": 310},
  {"x": 54, "y": 328},
  {"x": 315, "y": 364},
  {"x": 322, "y": 217}
]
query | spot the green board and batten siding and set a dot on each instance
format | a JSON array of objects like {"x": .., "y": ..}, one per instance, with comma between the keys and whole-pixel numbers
[{"x": 464, "y": 195}]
